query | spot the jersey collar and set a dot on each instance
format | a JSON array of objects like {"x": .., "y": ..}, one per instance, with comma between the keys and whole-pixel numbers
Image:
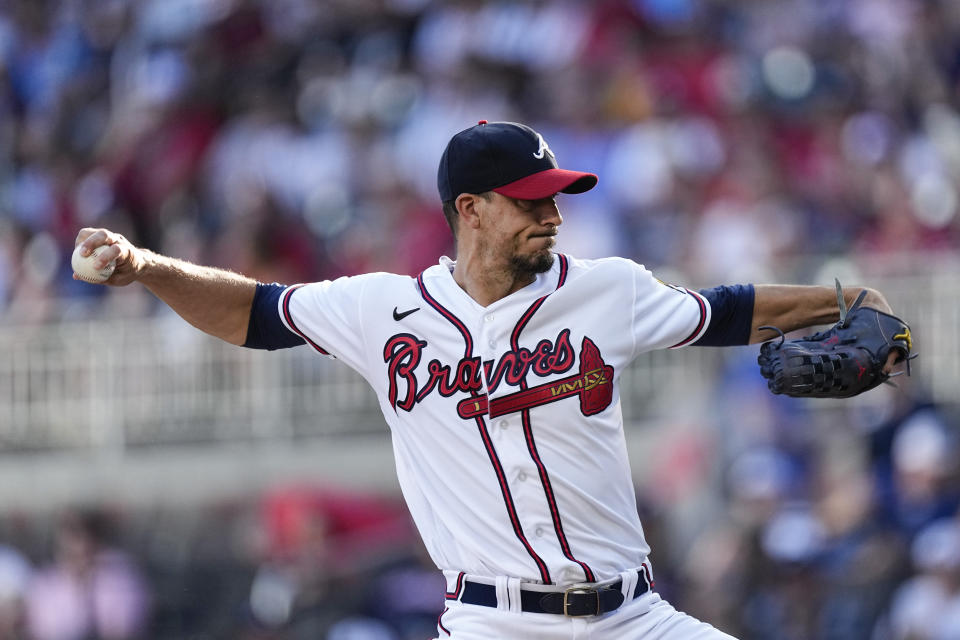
[{"x": 543, "y": 284}]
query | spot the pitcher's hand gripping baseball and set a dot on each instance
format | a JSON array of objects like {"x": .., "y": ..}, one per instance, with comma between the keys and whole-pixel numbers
[
  {"x": 110, "y": 248},
  {"x": 843, "y": 361}
]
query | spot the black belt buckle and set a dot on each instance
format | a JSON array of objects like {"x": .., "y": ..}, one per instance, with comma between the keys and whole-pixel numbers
[{"x": 580, "y": 591}]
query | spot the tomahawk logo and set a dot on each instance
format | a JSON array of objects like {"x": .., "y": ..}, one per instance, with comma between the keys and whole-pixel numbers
[
  {"x": 543, "y": 148},
  {"x": 593, "y": 384}
]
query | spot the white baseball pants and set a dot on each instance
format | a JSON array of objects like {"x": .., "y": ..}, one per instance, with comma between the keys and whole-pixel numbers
[{"x": 648, "y": 617}]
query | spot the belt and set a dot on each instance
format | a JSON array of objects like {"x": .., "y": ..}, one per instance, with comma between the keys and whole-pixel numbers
[{"x": 575, "y": 601}]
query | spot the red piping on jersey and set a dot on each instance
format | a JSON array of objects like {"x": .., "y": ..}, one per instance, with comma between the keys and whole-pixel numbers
[
  {"x": 485, "y": 436},
  {"x": 646, "y": 572},
  {"x": 528, "y": 432},
  {"x": 289, "y": 318},
  {"x": 440, "y": 624},
  {"x": 456, "y": 590},
  {"x": 703, "y": 319},
  {"x": 454, "y": 320}
]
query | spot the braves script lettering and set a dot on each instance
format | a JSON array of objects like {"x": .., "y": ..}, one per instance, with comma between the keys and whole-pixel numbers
[{"x": 403, "y": 352}]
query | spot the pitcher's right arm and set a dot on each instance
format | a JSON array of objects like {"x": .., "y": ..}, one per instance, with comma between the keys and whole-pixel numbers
[{"x": 216, "y": 301}]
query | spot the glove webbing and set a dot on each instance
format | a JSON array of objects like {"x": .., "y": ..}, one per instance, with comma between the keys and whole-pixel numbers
[{"x": 820, "y": 372}]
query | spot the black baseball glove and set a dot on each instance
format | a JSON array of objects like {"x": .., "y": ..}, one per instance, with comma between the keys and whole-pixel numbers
[{"x": 841, "y": 362}]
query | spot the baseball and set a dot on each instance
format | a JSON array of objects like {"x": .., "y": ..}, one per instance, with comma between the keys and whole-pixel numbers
[{"x": 84, "y": 268}]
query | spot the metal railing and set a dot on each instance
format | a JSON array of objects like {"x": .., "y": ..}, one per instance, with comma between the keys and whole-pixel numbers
[{"x": 156, "y": 381}]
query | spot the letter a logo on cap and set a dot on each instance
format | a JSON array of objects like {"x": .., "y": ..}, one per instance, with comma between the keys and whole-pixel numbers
[
  {"x": 507, "y": 157},
  {"x": 543, "y": 147}
]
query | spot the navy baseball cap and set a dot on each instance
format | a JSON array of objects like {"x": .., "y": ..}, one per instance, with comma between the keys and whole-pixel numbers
[{"x": 509, "y": 158}]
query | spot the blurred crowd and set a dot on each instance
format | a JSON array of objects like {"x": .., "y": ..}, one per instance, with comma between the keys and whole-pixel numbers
[
  {"x": 827, "y": 522},
  {"x": 298, "y": 563},
  {"x": 295, "y": 140},
  {"x": 778, "y": 521}
]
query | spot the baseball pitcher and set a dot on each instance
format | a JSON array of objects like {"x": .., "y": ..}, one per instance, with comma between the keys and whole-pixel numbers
[{"x": 498, "y": 375}]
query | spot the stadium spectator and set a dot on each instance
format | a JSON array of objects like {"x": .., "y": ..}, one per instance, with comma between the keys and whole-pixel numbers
[{"x": 92, "y": 589}]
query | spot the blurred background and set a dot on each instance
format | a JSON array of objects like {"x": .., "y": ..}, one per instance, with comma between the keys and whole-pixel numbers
[{"x": 155, "y": 483}]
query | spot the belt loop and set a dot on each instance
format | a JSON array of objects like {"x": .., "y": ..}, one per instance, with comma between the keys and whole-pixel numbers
[
  {"x": 513, "y": 592},
  {"x": 455, "y": 582},
  {"x": 503, "y": 594},
  {"x": 628, "y": 582},
  {"x": 647, "y": 569}
]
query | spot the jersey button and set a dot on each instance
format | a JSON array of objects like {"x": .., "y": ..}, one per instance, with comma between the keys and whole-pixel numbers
[
  {"x": 504, "y": 424},
  {"x": 488, "y": 318},
  {"x": 522, "y": 476},
  {"x": 539, "y": 532},
  {"x": 493, "y": 344}
]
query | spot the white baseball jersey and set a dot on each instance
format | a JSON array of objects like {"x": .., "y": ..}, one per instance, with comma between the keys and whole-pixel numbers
[{"x": 506, "y": 419}]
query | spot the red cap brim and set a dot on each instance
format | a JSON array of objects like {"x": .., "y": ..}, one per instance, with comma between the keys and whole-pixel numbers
[{"x": 544, "y": 184}]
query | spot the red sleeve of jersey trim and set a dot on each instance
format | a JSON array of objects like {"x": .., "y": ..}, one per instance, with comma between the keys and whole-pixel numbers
[
  {"x": 288, "y": 317},
  {"x": 703, "y": 320}
]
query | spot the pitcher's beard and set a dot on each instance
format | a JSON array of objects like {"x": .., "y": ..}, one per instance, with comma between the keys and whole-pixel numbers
[{"x": 529, "y": 266}]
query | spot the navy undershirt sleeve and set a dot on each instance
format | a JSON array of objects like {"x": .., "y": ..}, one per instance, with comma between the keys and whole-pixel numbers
[
  {"x": 731, "y": 315},
  {"x": 266, "y": 329}
]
